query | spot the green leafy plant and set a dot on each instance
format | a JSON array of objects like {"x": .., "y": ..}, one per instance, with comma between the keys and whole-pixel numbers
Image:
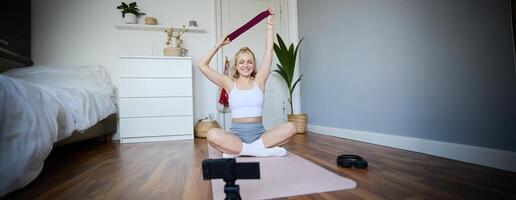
[
  {"x": 287, "y": 58},
  {"x": 129, "y": 8}
]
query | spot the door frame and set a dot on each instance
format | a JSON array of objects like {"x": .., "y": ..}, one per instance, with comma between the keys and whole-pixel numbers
[{"x": 289, "y": 30}]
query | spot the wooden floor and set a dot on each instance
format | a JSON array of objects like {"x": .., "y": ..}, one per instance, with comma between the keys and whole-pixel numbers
[{"x": 172, "y": 170}]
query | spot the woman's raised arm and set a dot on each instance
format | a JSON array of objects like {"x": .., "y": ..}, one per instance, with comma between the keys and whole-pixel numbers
[
  {"x": 219, "y": 79},
  {"x": 263, "y": 72}
]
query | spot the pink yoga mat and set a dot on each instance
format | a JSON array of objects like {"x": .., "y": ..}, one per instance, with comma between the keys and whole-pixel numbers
[{"x": 282, "y": 177}]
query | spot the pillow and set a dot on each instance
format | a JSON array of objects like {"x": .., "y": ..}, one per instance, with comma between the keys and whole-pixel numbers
[{"x": 93, "y": 77}]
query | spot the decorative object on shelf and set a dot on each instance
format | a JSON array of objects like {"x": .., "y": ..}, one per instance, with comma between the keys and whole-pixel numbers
[
  {"x": 130, "y": 12},
  {"x": 179, "y": 41},
  {"x": 203, "y": 125},
  {"x": 286, "y": 68},
  {"x": 178, "y": 50},
  {"x": 151, "y": 21},
  {"x": 192, "y": 23}
]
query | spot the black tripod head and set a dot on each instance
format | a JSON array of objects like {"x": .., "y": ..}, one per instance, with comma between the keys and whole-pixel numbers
[{"x": 229, "y": 170}]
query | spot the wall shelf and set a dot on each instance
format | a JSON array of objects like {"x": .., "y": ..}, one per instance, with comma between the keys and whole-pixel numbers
[{"x": 157, "y": 28}]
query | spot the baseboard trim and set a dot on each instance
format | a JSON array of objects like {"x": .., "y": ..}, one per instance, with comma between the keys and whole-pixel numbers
[
  {"x": 499, "y": 159},
  {"x": 156, "y": 138}
]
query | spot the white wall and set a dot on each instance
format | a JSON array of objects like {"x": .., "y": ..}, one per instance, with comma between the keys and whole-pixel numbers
[{"x": 78, "y": 32}]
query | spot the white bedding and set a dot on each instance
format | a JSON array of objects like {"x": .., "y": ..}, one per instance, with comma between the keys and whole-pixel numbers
[{"x": 42, "y": 105}]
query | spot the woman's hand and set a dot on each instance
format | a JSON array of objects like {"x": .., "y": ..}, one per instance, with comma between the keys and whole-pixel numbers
[
  {"x": 223, "y": 41},
  {"x": 270, "y": 18}
]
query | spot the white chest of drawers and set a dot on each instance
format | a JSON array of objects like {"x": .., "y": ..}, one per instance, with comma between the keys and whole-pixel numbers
[{"x": 155, "y": 99}]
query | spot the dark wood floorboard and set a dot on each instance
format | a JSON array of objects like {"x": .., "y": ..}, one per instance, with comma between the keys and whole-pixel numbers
[{"x": 172, "y": 170}]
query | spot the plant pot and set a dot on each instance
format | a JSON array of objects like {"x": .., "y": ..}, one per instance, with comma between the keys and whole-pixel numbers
[
  {"x": 174, "y": 51},
  {"x": 202, "y": 127},
  {"x": 130, "y": 18},
  {"x": 300, "y": 121}
]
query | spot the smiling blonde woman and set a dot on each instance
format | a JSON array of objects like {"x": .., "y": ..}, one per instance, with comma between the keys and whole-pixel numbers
[{"x": 246, "y": 89}]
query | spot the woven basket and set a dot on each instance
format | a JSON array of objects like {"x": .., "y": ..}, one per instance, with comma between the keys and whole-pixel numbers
[
  {"x": 300, "y": 121},
  {"x": 151, "y": 21},
  {"x": 202, "y": 127}
]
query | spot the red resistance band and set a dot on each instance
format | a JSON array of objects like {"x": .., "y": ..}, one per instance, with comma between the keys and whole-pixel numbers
[
  {"x": 224, "y": 97},
  {"x": 249, "y": 25}
]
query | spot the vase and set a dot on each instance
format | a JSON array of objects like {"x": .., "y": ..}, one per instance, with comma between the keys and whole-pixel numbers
[{"x": 174, "y": 51}]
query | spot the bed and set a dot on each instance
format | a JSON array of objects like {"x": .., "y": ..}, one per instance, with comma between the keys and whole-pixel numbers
[{"x": 46, "y": 106}]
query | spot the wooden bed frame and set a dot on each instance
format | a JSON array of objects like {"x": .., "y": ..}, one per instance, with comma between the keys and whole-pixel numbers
[{"x": 105, "y": 128}]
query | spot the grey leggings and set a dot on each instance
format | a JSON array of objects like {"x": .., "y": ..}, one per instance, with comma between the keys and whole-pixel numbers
[{"x": 248, "y": 132}]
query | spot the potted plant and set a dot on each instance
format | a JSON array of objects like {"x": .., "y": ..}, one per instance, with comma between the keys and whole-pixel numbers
[
  {"x": 287, "y": 58},
  {"x": 130, "y": 12},
  {"x": 178, "y": 50}
]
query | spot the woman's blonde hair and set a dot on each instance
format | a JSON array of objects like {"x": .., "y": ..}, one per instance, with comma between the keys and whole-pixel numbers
[{"x": 235, "y": 62}]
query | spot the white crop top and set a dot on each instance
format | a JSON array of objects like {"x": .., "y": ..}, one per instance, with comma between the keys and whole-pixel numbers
[{"x": 246, "y": 103}]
